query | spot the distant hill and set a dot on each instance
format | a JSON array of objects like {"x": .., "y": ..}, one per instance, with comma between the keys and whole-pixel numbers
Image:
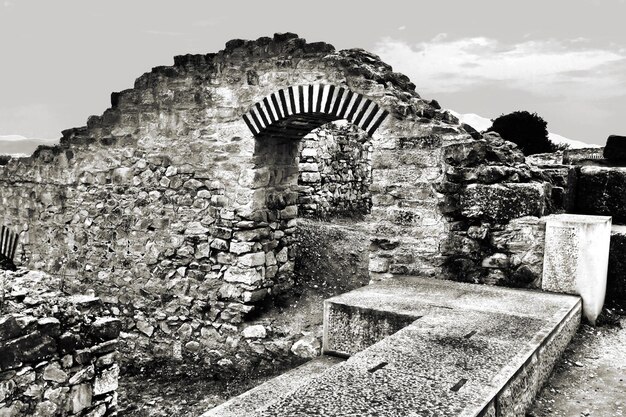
[
  {"x": 21, "y": 146},
  {"x": 481, "y": 124}
]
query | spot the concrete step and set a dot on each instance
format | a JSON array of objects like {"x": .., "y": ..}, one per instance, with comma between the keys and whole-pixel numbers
[
  {"x": 272, "y": 390},
  {"x": 420, "y": 347}
]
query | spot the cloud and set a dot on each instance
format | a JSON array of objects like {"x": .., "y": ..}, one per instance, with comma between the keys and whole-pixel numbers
[
  {"x": 546, "y": 68},
  {"x": 7, "y": 3},
  {"x": 12, "y": 138}
]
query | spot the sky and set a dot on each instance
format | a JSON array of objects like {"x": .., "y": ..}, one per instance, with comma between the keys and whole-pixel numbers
[{"x": 563, "y": 59}]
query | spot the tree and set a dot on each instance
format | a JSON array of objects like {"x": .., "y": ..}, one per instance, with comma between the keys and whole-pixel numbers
[{"x": 528, "y": 130}]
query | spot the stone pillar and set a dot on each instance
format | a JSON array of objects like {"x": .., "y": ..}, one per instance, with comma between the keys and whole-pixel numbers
[{"x": 576, "y": 258}]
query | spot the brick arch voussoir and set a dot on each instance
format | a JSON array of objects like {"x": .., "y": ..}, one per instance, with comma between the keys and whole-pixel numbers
[{"x": 315, "y": 99}]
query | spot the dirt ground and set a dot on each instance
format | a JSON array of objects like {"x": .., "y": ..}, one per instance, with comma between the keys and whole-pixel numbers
[
  {"x": 181, "y": 392},
  {"x": 590, "y": 378}
]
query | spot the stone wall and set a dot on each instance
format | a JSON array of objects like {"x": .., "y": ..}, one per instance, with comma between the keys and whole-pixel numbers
[
  {"x": 601, "y": 190},
  {"x": 335, "y": 172},
  {"x": 181, "y": 214},
  {"x": 595, "y": 186},
  {"x": 486, "y": 243},
  {"x": 57, "y": 353}
]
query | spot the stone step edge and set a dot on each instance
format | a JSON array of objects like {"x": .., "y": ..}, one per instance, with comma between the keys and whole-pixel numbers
[
  {"x": 301, "y": 374},
  {"x": 554, "y": 325},
  {"x": 521, "y": 362}
]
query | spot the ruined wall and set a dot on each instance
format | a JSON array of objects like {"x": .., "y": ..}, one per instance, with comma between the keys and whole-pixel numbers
[
  {"x": 181, "y": 214},
  {"x": 335, "y": 172},
  {"x": 593, "y": 184},
  {"x": 57, "y": 353},
  {"x": 486, "y": 243}
]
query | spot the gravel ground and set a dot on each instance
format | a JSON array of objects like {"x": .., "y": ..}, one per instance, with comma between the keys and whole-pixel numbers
[{"x": 590, "y": 378}]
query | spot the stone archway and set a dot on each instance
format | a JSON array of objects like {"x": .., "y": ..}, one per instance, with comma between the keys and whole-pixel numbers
[
  {"x": 278, "y": 122},
  {"x": 295, "y": 111}
]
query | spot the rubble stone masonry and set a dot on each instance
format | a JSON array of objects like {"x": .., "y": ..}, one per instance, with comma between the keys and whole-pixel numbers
[
  {"x": 181, "y": 215},
  {"x": 58, "y": 354}
]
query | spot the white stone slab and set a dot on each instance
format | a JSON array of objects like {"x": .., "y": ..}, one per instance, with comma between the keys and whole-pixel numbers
[{"x": 576, "y": 258}]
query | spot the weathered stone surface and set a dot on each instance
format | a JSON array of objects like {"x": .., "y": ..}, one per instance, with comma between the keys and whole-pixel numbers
[
  {"x": 49, "y": 375},
  {"x": 45, "y": 409},
  {"x": 157, "y": 198},
  {"x": 469, "y": 153},
  {"x": 10, "y": 328},
  {"x": 105, "y": 328},
  {"x": 106, "y": 380},
  {"x": 601, "y": 191},
  {"x": 85, "y": 374},
  {"x": 615, "y": 148},
  {"x": 576, "y": 258},
  {"x": 254, "y": 332},
  {"x": 252, "y": 259},
  {"x": 27, "y": 348},
  {"x": 81, "y": 396},
  {"x": 616, "y": 278},
  {"x": 53, "y": 372},
  {"x": 307, "y": 347},
  {"x": 503, "y": 202},
  {"x": 6, "y": 389},
  {"x": 249, "y": 276}
]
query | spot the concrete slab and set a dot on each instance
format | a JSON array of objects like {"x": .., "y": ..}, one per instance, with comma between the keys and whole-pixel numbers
[
  {"x": 272, "y": 390},
  {"x": 402, "y": 300},
  {"x": 470, "y": 350}
]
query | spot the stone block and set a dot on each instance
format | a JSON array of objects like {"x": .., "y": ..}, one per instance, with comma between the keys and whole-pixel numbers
[
  {"x": 465, "y": 154},
  {"x": 81, "y": 396},
  {"x": 616, "y": 278},
  {"x": 145, "y": 328},
  {"x": 601, "y": 191},
  {"x": 307, "y": 347},
  {"x": 576, "y": 258},
  {"x": 10, "y": 328},
  {"x": 6, "y": 389},
  {"x": 241, "y": 247},
  {"x": 502, "y": 202},
  {"x": 54, "y": 373},
  {"x": 254, "y": 296},
  {"x": 29, "y": 348},
  {"x": 105, "y": 328},
  {"x": 249, "y": 276},
  {"x": 85, "y": 374},
  {"x": 252, "y": 259},
  {"x": 106, "y": 381},
  {"x": 497, "y": 260},
  {"x": 615, "y": 148},
  {"x": 254, "y": 332}
]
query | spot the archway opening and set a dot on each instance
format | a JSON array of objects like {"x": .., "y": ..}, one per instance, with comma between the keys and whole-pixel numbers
[{"x": 317, "y": 176}]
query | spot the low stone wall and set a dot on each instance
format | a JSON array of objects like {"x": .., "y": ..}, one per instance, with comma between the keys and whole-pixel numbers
[{"x": 57, "y": 353}]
